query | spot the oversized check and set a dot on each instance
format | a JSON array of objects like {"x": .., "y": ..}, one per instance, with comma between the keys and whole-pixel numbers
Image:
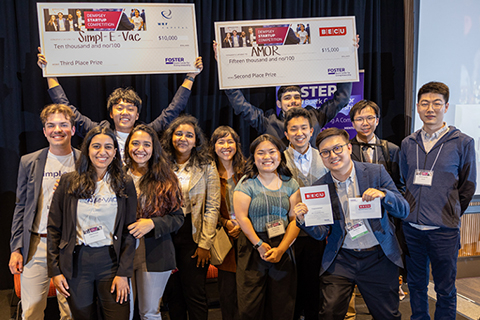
[
  {"x": 259, "y": 53},
  {"x": 117, "y": 38}
]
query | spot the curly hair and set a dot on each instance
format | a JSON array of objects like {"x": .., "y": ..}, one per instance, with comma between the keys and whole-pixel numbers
[
  {"x": 251, "y": 170},
  {"x": 159, "y": 188},
  {"x": 199, "y": 155},
  {"x": 238, "y": 160},
  {"x": 85, "y": 176}
]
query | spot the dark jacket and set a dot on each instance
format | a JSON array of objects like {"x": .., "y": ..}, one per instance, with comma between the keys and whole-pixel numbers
[
  {"x": 84, "y": 124},
  {"x": 369, "y": 175},
  {"x": 62, "y": 237},
  {"x": 454, "y": 178},
  {"x": 159, "y": 250},
  {"x": 29, "y": 185},
  {"x": 392, "y": 159}
]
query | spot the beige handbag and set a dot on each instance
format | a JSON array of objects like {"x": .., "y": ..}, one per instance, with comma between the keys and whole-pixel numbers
[{"x": 220, "y": 247}]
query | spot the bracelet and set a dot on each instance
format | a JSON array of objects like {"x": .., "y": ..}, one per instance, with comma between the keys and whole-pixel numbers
[
  {"x": 190, "y": 78},
  {"x": 258, "y": 245}
]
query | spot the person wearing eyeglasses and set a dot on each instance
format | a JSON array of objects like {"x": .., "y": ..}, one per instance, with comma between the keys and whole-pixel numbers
[
  {"x": 368, "y": 147},
  {"x": 438, "y": 164},
  {"x": 362, "y": 252}
]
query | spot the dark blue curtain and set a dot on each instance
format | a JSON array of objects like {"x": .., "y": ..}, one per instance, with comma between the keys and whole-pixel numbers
[{"x": 23, "y": 91}]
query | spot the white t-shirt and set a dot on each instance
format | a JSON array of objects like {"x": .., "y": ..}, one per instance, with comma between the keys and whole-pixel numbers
[
  {"x": 98, "y": 211},
  {"x": 303, "y": 36},
  {"x": 55, "y": 166},
  {"x": 137, "y": 21},
  {"x": 121, "y": 138}
]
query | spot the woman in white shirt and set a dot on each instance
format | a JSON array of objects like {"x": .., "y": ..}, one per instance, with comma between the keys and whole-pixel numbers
[{"x": 90, "y": 251}]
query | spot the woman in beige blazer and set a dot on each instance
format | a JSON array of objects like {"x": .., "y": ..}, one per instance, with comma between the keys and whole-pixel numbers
[{"x": 187, "y": 149}]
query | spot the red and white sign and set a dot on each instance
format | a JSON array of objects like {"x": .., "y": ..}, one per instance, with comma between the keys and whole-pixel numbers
[
  {"x": 101, "y": 19},
  {"x": 333, "y": 31},
  {"x": 315, "y": 195}
]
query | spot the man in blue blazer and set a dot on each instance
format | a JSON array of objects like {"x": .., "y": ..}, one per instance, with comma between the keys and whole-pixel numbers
[
  {"x": 37, "y": 175},
  {"x": 362, "y": 252}
]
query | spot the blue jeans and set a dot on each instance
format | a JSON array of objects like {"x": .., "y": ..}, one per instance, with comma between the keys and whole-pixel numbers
[{"x": 440, "y": 248}]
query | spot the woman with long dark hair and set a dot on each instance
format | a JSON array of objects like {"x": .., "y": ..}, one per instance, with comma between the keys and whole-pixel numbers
[
  {"x": 263, "y": 201},
  {"x": 159, "y": 214},
  {"x": 226, "y": 150},
  {"x": 90, "y": 251},
  {"x": 189, "y": 157}
]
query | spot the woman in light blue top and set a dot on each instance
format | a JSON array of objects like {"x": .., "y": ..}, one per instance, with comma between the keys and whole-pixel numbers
[{"x": 263, "y": 202}]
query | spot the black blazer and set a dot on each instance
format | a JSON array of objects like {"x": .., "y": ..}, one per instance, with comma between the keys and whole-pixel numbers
[
  {"x": 159, "y": 250},
  {"x": 61, "y": 230}
]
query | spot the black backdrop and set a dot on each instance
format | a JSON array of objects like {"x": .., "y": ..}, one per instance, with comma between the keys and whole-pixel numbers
[{"x": 23, "y": 91}]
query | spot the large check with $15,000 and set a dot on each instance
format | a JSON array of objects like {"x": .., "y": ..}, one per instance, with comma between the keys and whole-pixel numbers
[
  {"x": 259, "y": 53},
  {"x": 117, "y": 38}
]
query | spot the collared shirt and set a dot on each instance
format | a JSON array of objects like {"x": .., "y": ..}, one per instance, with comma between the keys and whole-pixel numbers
[
  {"x": 349, "y": 189},
  {"x": 303, "y": 161},
  {"x": 429, "y": 140},
  {"x": 370, "y": 151}
]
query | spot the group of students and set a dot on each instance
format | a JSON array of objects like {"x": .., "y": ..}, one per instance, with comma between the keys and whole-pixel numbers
[
  {"x": 59, "y": 23},
  {"x": 137, "y": 207}
]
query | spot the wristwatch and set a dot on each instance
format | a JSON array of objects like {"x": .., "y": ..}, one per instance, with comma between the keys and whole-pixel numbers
[{"x": 258, "y": 245}]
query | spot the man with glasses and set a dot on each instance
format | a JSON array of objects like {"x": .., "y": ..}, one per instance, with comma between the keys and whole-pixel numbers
[
  {"x": 362, "y": 252},
  {"x": 367, "y": 147},
  {"x": 438, "y": 165}
]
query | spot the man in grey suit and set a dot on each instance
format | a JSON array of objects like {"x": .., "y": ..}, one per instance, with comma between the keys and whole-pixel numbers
[
  {"x": 37, "y": 176},
  {"x": 360, "y": 251},
  {"x": 307, "y": 167}
]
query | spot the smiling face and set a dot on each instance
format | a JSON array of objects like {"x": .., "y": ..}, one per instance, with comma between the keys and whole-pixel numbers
[
  {"x": 267, "y": 157},
  {"x": 365, "y": 122},
  {"x": 140, "y": 148},
  {"x": 58, "y": 130},
  {"x": 137, "y": 13},
  {"x": 225, "y": 148},
  {"x": 124, "y": 115},
  {"x": 79, "y": 13},
  {"x": 183, "y": 140},
  {"x": 290, "y": 99},
  {"x": 299, "y": 133},
  {"x": 60, "y": 15},
  {"x": 338, "y": 164},
  {"x": 101, "y": 153},
  {"x": 432, "y": 108}
]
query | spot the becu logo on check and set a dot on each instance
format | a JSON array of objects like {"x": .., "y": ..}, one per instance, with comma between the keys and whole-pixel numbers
[
  {"x": 333, "y": 31},
  {"x": 315, "y": 195},
  {"x": 364, "y": 206}
]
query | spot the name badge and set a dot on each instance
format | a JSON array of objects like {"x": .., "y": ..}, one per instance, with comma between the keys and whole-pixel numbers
[
  {"x": 275, "y": 228},
  {"x": 423, "y": 177},
  {"x": 357, "y": 230},
  {"x": 93, "y": 234}
]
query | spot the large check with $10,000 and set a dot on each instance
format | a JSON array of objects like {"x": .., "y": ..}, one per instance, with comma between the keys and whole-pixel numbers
[{"x": 117, "y": 38}]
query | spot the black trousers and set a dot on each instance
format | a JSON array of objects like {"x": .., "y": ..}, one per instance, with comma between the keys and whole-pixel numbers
[
  {"x": 185, "y": 291},
  {"x": 308, "y": 258},
  {"x": 265, "y": 290},
  {"x": 93, "y": 273},
  {"x": 374, "y": 274}
]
